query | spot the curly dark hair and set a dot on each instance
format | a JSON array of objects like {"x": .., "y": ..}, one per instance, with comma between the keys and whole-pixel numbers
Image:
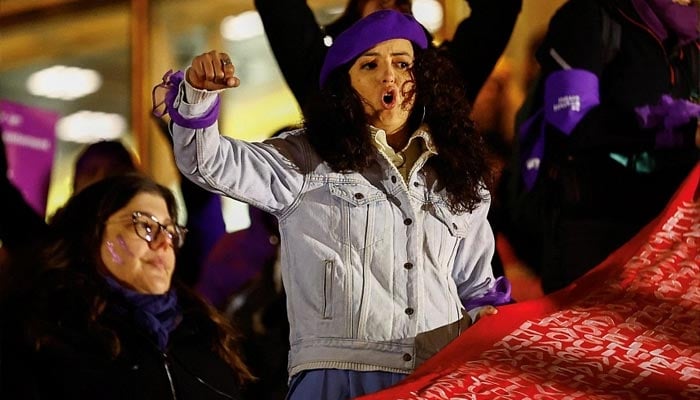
[
  {"x": 337, "y": 128},
  {"x": 71, "y": 262}
]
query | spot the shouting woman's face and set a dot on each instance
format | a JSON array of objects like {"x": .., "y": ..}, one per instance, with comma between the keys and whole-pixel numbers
[{"x": 382, "y": 78}]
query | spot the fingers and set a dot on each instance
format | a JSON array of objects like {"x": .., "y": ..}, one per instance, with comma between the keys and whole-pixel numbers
[
  {"x": 212, "y": 71},
  {"x": 488, "y": 310}
]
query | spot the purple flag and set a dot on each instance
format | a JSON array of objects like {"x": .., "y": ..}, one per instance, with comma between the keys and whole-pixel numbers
[{"x": 30, "y": 140}]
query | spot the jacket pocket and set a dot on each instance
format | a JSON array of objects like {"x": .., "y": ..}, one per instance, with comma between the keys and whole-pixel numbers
[
  {"x": 363, "y": 214},
  {"x": 328, "y": 289}
]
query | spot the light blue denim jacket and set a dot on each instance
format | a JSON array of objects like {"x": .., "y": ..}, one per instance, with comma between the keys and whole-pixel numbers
[{"x": 368, "y": 261}]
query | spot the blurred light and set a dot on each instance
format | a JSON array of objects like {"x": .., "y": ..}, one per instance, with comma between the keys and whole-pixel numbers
[
  {"x": 429, "y": 13},
  {"x": 236, "y": 214},
  {"x": 90, "y": 126},
  {"x": 245, "y": 25},
  {"x": 66, "y": 83}
]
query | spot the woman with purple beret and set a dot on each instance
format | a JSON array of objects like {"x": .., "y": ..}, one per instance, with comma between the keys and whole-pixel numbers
[{"x": 380, "y": 197}]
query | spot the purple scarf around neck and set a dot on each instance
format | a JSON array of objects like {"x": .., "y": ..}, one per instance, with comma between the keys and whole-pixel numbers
[
  {"x": 662, "y": 16},
  {"x": 157, "y": 314}
]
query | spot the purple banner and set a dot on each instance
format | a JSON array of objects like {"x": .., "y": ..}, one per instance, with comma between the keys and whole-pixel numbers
[{"x": 30, "y": 140}]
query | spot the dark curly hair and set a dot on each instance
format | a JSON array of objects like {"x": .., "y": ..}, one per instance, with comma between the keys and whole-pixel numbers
[
  {"x": 337, "y": 128},
  {"x": 70, "y": 285}
]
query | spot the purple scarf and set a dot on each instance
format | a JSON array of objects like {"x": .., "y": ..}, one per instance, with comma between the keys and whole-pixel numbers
[
  {"x": 662, "y": 16},
  {"x": 157, "y": 314}
]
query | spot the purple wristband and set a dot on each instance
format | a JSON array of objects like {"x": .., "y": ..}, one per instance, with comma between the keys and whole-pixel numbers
[{"x": 171, "y": 82}]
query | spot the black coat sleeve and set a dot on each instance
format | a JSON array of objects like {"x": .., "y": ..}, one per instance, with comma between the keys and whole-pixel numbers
[
  {"x": 481, "y": 38},
  {"x": 296, "y": 40}
]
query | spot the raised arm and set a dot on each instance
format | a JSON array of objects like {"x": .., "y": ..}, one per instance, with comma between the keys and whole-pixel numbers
[
  {"x": 480, "y": 40},
  {"x": 296, "y": 40},
  {"x": 256, "y": 173}
]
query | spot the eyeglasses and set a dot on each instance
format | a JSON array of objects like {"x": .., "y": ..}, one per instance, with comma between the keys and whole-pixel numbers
[{"x": 148, "y": 228}]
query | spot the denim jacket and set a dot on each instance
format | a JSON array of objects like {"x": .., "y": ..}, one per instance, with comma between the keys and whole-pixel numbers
[{"x": 368, "y": 260}]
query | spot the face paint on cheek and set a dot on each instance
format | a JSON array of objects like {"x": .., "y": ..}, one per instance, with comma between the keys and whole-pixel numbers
[
  {"x": 116, "y": 258},
  {"x": 119, "y": 250},
  {"x": 124, "y": 246}
]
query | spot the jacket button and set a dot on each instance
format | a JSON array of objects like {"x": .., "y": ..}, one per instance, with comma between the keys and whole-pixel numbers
[
  {"x": 407, "y": 221},
  {"x": 408, "y": 265},
  {"x": 407, "y": 357},
  {"x": 454, "y": 225},
  {"x": 416, "y": 184},
  {"x": 409, "y": 311},
  {"x": 393, "y": 179},
  {"x": 359, "y": 196}
]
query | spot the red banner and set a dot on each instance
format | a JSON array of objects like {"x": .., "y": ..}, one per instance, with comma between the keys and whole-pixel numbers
[{"x": 629, "y": 329}]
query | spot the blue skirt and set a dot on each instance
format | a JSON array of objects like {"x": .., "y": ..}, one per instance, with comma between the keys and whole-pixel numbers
[{"x": 339, "y": 384}]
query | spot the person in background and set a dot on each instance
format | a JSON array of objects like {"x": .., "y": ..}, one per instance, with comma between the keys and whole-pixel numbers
[
  {"x": 291, "y": 30},
  {"x": 21, "y": 228},
  {"x": 20, "y": 225},
  {"x": 102, "y": 159},
  {"x": 609, "y": 132},
  {"x": 381, "y": 202},
  {"x": 102, "y": 318}
]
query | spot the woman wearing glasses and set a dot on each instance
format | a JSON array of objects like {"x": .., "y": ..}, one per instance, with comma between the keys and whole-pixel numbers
[{"x": 102, "y": 319}]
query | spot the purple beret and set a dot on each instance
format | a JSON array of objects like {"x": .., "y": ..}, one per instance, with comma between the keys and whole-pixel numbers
[{"x": 366, "y": 33}]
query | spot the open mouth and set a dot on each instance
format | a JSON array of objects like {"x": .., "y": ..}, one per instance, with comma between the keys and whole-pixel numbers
[{"x": 389, "y": 98}]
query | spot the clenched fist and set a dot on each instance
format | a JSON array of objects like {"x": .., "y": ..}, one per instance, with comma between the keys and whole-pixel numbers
[{"x": 212, "y": 71}]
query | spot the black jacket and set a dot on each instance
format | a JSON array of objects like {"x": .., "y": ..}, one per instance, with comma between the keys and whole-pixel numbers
[
  {"x": 603, "y": 182},
  {"x": 73, "y": 363},
  {"x": 297, "y": 42},
  {"x": 642, "y": 69}
]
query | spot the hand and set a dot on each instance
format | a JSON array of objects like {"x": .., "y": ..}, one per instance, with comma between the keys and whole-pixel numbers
[
  {"x": 212, "y": 71},
  {"x": 486, "y": 311}
]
